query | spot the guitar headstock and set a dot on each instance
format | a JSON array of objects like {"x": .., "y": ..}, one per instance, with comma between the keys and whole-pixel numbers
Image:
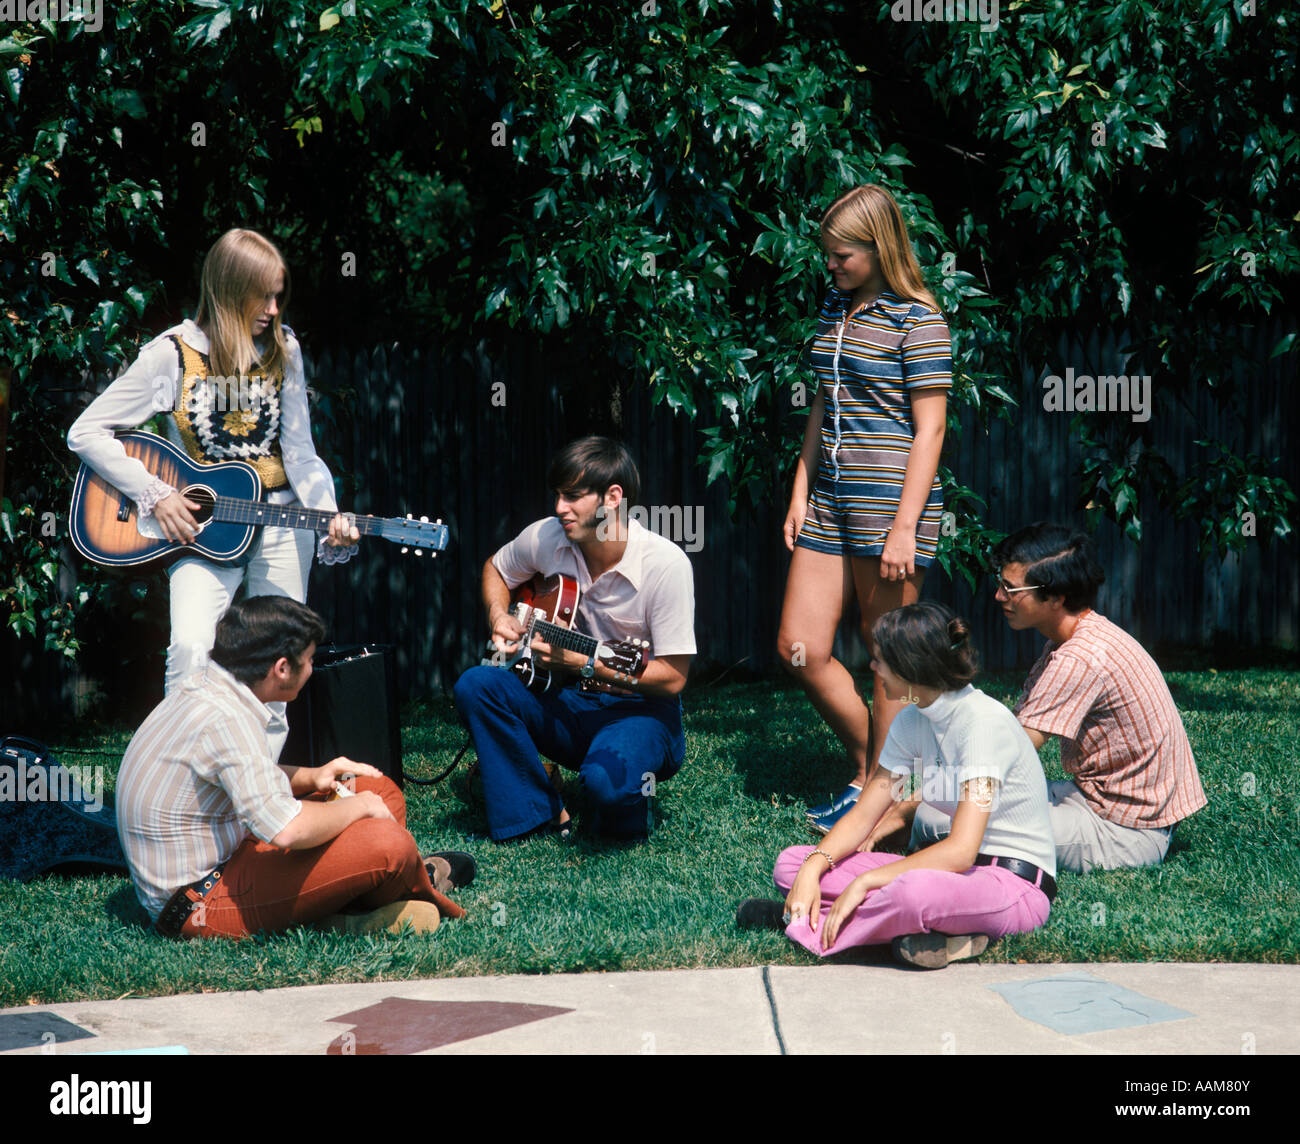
[
  {"x": 419, "y": 536},
  {"x": 628, "y": 656}
]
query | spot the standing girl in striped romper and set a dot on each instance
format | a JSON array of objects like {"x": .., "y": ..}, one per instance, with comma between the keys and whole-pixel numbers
[{"x": 864, "y": 511}]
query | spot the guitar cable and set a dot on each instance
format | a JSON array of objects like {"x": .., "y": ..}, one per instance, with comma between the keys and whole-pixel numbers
[{"x": 439, "y": 777}]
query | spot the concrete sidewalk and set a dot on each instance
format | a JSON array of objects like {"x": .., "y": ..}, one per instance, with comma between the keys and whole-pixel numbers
[{"x": 1164, "y": 1009}]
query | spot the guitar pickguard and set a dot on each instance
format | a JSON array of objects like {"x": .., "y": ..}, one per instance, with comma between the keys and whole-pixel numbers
[{"x": 148, "y": 527}]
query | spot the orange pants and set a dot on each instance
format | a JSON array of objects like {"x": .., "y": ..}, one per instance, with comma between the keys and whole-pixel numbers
[{"x": 368, "y": 865}]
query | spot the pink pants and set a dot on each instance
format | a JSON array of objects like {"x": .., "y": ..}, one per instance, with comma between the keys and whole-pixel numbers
[{"x": 983, "y": 899}]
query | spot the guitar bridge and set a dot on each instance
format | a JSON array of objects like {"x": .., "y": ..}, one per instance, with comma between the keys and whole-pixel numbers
[{"x": 124, "y": 509}]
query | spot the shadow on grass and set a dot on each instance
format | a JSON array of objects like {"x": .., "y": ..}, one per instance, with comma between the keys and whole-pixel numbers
[
  {"x": 772, "y": 738},
  {"x": 1215, "y": 697},
  {"x": 124, "y": 907}
]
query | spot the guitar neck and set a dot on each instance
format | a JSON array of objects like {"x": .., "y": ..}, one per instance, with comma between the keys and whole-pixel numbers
[
  {"x": 238, "y": 511},
  {"x": 566, "y": 638}
]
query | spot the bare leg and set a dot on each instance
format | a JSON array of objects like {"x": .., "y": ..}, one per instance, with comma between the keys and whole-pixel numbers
[
  {"x": 875, "y": 598},
  {"x": 816, "y": 592}
]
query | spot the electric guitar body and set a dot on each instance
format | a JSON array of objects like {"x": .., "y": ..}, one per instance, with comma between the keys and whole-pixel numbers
[{"x": 547, "y": 607}]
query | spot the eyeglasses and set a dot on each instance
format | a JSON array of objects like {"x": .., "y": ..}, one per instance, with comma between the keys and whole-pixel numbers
[{"x": 1007, "y": 588}]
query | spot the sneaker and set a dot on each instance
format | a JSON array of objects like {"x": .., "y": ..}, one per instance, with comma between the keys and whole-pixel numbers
[
  {"x": 760, "y": 913},
  {"x": 420, "y": 917},
  {"x": 935, "y": 950},
  {"x": 450, "y": 870},
  {"x": 823, "y": 824},
  {"x": 848, "y": 798}
]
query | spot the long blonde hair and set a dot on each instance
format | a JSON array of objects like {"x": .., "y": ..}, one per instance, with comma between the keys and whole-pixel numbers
[
  {"x": 869, "y": 214},
  {"x": 240, "y": 269}
]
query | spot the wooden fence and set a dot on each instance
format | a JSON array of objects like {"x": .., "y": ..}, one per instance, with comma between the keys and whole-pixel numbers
[
  {"x": 467, "y": 438},
  {"x": 427, "y": 437}
]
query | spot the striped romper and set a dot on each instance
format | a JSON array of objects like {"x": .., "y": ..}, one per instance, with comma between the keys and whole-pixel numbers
[{"x": 867, "y": 367}]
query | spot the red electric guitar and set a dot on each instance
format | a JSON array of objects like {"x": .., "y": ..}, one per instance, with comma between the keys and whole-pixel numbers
[{"x": 547, "y": 606}]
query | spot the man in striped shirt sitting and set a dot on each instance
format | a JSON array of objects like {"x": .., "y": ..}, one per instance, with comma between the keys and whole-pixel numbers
[
  {"x": 1122, "y": 740},
  {"x": 222, "y": 842}
]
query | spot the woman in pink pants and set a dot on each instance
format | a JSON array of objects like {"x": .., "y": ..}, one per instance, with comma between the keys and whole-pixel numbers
[{"x": 964, "y": 753}]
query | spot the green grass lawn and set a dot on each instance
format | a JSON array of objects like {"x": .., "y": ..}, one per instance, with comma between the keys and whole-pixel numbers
[{"x": 757, "y": 755}]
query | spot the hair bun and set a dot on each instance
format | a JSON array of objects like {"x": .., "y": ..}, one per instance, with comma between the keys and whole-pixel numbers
[{"x": 958, "y": 632}]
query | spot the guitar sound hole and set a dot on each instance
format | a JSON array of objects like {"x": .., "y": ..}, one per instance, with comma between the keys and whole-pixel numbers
[{"x": 205, "y": 498}]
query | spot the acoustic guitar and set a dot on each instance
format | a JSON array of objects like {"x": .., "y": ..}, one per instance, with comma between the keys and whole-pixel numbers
[
  {"x": 547, "y": 607},
  {"x": 105, "y": 525}
]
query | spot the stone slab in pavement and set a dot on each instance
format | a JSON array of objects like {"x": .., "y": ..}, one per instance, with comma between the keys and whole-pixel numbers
[
  {"x": 841, "y": 1009},
  {"x": 868, "y": 1009}
]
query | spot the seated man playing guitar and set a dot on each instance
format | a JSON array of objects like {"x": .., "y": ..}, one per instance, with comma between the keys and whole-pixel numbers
[{"x": 625, "y": 724}]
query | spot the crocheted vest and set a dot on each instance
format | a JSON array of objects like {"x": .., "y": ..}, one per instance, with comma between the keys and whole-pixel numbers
[{"x": 230, "y": 419}]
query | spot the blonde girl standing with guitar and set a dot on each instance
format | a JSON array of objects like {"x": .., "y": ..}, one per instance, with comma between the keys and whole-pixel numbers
[
  {"x": 228, "y": 385},
  {"x": 864, "y": 511}
]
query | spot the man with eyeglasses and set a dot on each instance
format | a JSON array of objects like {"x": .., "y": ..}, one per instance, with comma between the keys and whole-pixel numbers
[{"x": 1122, "y": 740}]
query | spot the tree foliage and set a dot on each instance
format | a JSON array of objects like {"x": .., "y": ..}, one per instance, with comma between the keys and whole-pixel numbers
[{"x": 640, "y": 182}]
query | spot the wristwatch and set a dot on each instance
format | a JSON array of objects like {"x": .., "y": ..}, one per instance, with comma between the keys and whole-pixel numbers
[{"x": 589, "y": 668}]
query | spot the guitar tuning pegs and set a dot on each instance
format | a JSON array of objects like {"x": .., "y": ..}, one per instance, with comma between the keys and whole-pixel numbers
[
  {"x": 424, "y": 520},
  {"x": 405, "y": 550},
  {"x": 419, "y": 552}
]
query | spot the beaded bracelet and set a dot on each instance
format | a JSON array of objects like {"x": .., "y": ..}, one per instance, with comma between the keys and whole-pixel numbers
[{"x": 819, "y": 850}]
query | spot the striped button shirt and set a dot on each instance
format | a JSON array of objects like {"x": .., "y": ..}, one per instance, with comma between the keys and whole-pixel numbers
[
  {"x": 867, "y": 365},
  {"x": 1122, "y": 739},
  {"x": 196, "y": 780}
]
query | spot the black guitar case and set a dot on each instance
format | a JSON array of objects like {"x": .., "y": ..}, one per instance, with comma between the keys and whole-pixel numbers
[{"x": 50, "y": 823}]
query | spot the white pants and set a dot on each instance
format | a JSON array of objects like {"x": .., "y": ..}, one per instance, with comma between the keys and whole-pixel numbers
[{"x": 202, "y": 590}]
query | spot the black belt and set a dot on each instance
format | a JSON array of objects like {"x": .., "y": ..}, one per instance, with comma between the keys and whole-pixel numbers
[
  {"x": 182, "y": 903},
  {"x": 1021, "y": 869}
]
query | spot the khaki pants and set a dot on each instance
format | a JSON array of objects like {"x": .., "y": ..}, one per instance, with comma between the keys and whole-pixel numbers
[{"x": 1084, "y": 840}]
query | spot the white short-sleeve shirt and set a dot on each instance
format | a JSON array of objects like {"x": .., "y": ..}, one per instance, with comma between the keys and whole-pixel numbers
[
  {"x": 649, "y": 594},
  {"x": 965, "y": 735}
]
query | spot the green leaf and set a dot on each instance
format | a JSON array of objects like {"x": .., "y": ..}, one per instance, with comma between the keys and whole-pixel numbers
[{"x": 718, "y": 465}]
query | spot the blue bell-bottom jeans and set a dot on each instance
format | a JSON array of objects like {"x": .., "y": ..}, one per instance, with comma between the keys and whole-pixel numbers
[{"x": 620, "y": 745}]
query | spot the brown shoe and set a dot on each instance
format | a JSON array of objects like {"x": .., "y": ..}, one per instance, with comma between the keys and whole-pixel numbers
[
  {"x": 419, "y": 917},
  {"x": 450, "y": 870},
  {"x": 935, "y": 950}
]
